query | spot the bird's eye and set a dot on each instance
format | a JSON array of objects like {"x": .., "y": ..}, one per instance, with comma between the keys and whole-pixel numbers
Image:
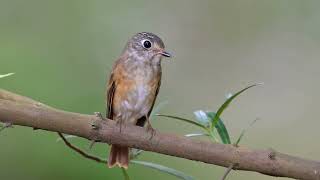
[{"x": 146, "y": 44}]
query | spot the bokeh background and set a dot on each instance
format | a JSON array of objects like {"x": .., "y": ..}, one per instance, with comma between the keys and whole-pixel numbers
[{"x": 62, "y": 52}]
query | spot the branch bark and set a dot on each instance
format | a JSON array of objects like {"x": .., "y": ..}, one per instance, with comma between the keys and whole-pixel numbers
[{"x": 20, "y": 110}]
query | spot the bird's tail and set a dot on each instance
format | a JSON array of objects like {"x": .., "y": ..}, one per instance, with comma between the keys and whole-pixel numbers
[{"x": 119, "y": 156}]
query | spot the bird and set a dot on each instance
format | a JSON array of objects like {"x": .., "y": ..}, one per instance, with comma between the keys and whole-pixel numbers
[{"x": 133, "y": 87}]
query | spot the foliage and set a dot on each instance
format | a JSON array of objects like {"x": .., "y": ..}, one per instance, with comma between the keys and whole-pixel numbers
[{"x": 211, "y": 123}]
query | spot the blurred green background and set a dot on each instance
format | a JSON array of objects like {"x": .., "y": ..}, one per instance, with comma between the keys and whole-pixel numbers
[{"x": 62, "y": 52}]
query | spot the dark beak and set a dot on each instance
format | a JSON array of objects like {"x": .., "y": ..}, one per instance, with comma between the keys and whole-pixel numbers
[{"x": 165, "y": 54}]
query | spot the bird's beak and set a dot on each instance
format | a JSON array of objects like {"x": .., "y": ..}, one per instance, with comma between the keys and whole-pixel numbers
[{"x": 165, "y": 54}]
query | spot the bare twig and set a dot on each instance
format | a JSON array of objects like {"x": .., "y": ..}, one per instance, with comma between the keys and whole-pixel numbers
[
  {"x": 92, "y": 143},
  {"x": 23, "y": 111},
  {"x": 79, "y": 151},
  {"x": 227, "y": 172}
]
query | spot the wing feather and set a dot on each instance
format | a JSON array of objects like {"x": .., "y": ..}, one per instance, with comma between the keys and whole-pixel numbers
[
  {"x": 110, "y": 94},
  {"x": 156, "y": 94}
]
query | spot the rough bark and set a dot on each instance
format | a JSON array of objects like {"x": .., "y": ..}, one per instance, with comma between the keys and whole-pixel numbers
[{"x": 23, "y": 111}]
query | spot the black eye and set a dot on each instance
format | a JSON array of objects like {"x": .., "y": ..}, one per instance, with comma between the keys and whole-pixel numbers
[{"x": 146, "y": 44}]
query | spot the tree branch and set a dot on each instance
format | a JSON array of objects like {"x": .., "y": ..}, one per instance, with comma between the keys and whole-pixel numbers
[{"x": 19, "y": 110}]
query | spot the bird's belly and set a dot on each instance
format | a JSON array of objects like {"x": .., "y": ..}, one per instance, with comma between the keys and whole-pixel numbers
[
  {"x": 139, "y": 99},
  {"x": 136, "y": 103}
]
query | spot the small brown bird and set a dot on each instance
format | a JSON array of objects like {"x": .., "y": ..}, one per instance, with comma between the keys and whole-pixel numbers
[{"x": 133, "y": 87}]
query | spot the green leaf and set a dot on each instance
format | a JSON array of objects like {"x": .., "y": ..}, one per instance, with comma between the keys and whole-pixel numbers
[
  {"x": 125, "y": 174},
  {"x": 164, "y": 169},
  {"x": 223, "y": 132},
  {"x": 202, "y": 117},
  {"x": 221, "y": 128},
  {"x": 244, "y": 131},
  {"x": 196, "y": 134},
  {"x": 226, "y": 104},
  {"x": 6, "y": 75},
  {"x": 183, "y": 119}
]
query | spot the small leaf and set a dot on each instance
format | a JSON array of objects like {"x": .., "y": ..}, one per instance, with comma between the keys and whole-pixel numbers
[
  {"x": 164, "y": 169},
  {"x": 6, "y": 75},
  {"x": 226, "y": 104},
  {"x": 183, "y": 119},
  {"x": 125, "y": 174},
  {"x": 202, "y": 117},
  {"x": 223, "y": 132},
  {"x": 229, "y": 95},
  {"x": 244, "y": 131},
  {"x": 221, "y": 128},
  {"x": 196, "y": 134}
]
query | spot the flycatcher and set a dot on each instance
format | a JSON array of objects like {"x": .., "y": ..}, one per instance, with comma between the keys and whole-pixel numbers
[{"x": 133, "y": 87}]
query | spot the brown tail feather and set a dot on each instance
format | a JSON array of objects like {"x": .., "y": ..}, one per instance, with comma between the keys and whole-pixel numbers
[{"x": 119, "y": 156}]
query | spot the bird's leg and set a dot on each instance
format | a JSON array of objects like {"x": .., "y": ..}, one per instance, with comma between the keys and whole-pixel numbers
[{"x": 150, "y": 128}]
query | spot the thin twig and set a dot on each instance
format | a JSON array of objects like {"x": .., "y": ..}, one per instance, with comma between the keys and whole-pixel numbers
[
  {"x": 88, "y": 156},
  {"x": 79, "y": 151},
  {"x": 227, "y": 172},
  {"x": 92, "y": 143}
]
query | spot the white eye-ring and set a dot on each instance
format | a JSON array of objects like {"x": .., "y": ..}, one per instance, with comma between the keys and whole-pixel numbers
[{"x": 146, "y": 43}]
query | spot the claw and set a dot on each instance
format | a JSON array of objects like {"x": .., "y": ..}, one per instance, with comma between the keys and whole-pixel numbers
[{"x": 150, "y": 128}]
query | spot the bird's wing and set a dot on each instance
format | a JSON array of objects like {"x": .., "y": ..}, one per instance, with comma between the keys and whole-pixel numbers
[
  {"x": 112, "y": 86},
  {"x": 110, "y": 92},
  {"x": 156, "y": 94}
]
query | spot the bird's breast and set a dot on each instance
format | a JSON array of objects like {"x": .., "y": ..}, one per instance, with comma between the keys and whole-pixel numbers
[{"x": 136, "y": 92}]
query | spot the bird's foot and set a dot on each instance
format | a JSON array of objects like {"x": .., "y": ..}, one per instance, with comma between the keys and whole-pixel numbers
[{"x": 150, "y": 128}]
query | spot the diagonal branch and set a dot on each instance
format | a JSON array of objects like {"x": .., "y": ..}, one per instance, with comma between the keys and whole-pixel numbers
[
  {"x": 23, "y": 111},
  {"x": 227, "y": 172},
  {"x": 79, "y": 151}
]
